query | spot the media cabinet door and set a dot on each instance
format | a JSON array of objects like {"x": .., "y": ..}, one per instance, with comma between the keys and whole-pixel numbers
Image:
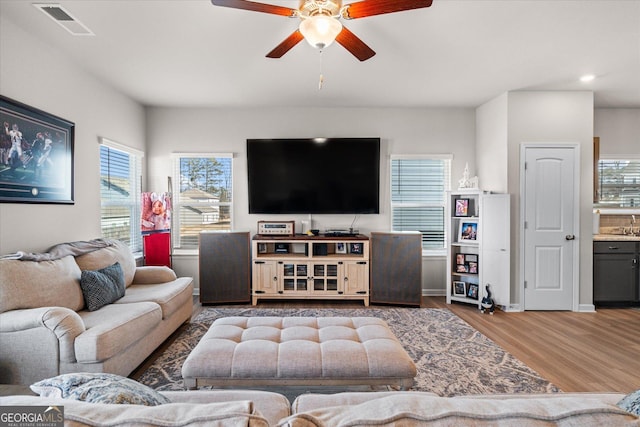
[
  {"x": 225, "y": 267},
  {"x": 396, "y": 268}
]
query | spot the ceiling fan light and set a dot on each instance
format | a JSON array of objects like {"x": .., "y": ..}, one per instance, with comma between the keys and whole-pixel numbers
[{"x": 320, "y": 30}]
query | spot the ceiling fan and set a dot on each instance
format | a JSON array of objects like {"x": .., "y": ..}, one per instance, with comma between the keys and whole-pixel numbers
[{"x": 320, "y": 21}]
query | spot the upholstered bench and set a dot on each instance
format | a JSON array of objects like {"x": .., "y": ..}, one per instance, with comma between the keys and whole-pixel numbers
[{"x": 294, "y": 351}]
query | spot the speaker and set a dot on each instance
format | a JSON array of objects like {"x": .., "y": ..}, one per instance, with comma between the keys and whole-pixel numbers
[
  {"x": 396, "y": 268},
  {"x": 225, "y": 267}
]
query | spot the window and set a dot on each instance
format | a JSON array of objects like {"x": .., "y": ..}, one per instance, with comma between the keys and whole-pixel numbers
[
  {"x": 619, "y": 183},
  {"x": 120, "y": 187},
  {"x": 418, "y": 199},
  {"x": 202, "y": 196}
]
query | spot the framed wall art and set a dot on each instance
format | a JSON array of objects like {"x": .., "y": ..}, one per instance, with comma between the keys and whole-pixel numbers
[{"x": 36, "y": 155}]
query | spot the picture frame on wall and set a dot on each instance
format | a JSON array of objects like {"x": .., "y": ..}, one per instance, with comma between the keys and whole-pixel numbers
[
  {"x": 468, "y": 231},
  {"x": 459, "y": 288},
  {"x": 36, "y": 155},
  {"x": 461, "y": 207}
]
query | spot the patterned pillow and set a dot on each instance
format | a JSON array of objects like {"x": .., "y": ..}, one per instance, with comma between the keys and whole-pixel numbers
[
  {"x": 631, "y": 402},
  {"x": 98, "y": 388},
  {"x": 102, "y": 287}
]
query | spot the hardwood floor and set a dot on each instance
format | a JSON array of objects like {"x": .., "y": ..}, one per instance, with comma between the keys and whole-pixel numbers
[
  {"x": 575, "y": 351},
  {"x": 597, "y": 352}
]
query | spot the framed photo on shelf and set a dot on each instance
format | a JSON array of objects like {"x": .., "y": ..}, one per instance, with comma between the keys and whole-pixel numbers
[
  {"x": 459, "y": 289},
  {"x": 462, "y": 268},
  {"x": 341, "y": 248},
  {"x": 468, "y": 231},
  {"x": 472, "y": 268},
  {"x": 355, "y": 248},
  {"x": 470, "y": 258},
  {"x": 37, "y": 155},
  {"x": 472, "y": 291},
  {"x": 262, "y": 248},
  {"x": 461, "y": 207}
]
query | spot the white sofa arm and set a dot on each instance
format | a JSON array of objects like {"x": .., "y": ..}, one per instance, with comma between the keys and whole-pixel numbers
[
  {"x": 65, "y": 323},
  {"x": 152, "y": 275}
]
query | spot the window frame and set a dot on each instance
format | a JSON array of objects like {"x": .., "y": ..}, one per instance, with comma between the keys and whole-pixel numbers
[
  {"x": 177, "y": 203},
  {"x": 603, "y": 206},
  {"x": 136, "y": 164},
  {"x": 448, "y": 159}
]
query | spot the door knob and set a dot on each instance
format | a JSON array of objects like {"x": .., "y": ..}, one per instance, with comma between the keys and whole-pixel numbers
[{"x": 570, "y": 237}]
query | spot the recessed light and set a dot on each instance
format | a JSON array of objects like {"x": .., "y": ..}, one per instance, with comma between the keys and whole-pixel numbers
[{"x": 587, "y": 78}]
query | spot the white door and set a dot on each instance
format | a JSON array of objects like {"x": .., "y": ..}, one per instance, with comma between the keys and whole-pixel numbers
[{"x": 550, "y": 248}]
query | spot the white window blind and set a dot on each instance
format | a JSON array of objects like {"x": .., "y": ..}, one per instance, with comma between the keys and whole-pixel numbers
[
  {"x": 120, "y": 187},
  {"x": 619, "y": 183},
  {"x": 203, "y": 198},
  {"x": 418, "y": 199}
]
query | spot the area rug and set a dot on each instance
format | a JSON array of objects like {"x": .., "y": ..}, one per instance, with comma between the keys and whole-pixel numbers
[{"x": 452, "y": 358}]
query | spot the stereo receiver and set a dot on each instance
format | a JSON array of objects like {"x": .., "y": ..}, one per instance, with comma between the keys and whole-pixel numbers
[{"x": 277, "y": 228}]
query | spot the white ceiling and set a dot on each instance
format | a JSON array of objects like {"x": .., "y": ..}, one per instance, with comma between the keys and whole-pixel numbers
[{"x": 456, "y": 53}]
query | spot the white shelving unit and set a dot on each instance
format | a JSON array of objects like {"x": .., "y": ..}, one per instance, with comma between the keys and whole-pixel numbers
[{"x": 479, "y": 246}]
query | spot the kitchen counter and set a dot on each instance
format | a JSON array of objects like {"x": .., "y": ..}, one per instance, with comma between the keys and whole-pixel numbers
[{"x": 615, "y": 238}]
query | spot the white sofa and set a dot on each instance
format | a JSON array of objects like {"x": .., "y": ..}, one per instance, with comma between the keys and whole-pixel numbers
[
  {"x": 46, "y": 329},
  {"x": 259, "y": 408}
]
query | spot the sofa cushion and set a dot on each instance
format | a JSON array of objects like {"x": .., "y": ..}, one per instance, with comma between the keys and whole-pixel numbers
[
  {"x": 81, "y": 414},
  {"x": 32, "y": 284},
  {"x": 170, "y": 296},
  {"x": 631, "y": 402},
  {"x": 424, "y": 410},
  {"x": 104, "y": 257},
  {"x": 113, "y": 328},
  {"x": 99, "y": 388},
  {"x": 273, "y": 406},
  {"x": 102, "y": 287}
]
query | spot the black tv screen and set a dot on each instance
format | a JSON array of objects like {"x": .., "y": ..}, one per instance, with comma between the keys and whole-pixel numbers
[{"x": 314, "y": 176}]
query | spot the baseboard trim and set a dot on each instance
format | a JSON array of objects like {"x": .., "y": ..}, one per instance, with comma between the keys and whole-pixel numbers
[
  {"x": 586, "y": 308},
  {"x": 433, "y": 293},
  {"x": 512, "y": 308}
]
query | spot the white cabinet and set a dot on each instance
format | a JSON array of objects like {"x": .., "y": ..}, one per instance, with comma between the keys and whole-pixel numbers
[
  {"x": 478, "y": 247},
  {"x": 306, "y": 267}
]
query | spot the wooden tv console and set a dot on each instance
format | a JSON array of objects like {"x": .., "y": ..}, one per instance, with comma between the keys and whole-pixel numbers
[{"x": 310, "y": 267}]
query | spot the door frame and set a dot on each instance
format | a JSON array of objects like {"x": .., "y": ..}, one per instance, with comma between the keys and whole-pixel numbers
[{"x": 576, "y": 219}]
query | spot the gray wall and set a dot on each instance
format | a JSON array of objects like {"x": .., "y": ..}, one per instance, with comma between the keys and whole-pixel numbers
[
  {"x": 557, "y": 117},
  {"x": 35, "y": 74},
  {"x": 619, "y": 131},
  {"x": 402, "y": 131}
]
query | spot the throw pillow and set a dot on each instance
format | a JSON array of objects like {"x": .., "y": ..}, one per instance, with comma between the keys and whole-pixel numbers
[
  {"x": 102, "y": 287},
  {"x": 98, "y": 388},
  {"x": 631, "y": 402}
]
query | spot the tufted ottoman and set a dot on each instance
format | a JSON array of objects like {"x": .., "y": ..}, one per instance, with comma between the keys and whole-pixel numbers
[{"x": 268, "y": 351}]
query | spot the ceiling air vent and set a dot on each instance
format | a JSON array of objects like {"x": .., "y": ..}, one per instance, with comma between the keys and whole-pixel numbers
[{"x": 64, "y": 19}]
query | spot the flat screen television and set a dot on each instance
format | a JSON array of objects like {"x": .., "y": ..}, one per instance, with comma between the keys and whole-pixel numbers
[{"x": 314, "y": 176}]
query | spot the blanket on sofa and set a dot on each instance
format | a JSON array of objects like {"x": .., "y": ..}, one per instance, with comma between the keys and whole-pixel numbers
[{"x": 62, "y": 250}]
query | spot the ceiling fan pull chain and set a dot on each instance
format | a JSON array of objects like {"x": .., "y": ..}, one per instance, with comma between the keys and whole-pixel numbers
[{"x": 321, "y": 80}]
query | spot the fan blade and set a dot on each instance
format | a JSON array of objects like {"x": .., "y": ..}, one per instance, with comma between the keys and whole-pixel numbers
[
  {"x": 256, "y": 7},
  {"x": 365, "y": 8},
  {"x": 286, "y": 45},
  {"x": 353, "y": 44}
]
